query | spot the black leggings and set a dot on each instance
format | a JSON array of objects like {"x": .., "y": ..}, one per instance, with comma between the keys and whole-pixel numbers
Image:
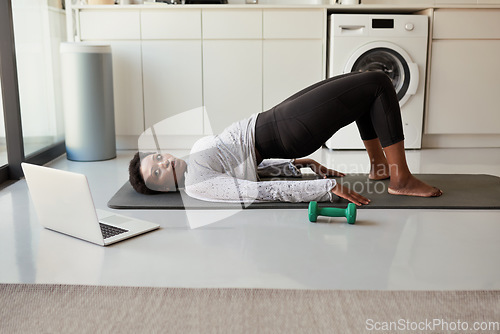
[{"x": 305, "y": 121}]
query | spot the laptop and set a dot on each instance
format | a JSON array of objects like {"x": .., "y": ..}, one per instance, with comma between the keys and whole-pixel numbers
[{"x": 63, "y": 203}]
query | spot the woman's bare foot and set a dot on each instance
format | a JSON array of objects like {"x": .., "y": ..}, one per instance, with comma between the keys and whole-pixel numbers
[
  {"x": 413, "y": 187},
  {"x": 379, "y": 171}
]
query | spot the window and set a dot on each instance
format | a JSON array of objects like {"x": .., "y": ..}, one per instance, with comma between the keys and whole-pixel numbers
[
  {"x": 31, "y": 121},
  {"x": 38, "y": 29}
]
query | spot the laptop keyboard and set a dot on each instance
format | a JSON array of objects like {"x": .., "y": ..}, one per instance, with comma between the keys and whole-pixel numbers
[{"x": 109, "y": 231}]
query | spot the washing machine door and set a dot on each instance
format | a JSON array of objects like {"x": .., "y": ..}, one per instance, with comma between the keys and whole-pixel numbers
[{"x": 390, "y": 59}]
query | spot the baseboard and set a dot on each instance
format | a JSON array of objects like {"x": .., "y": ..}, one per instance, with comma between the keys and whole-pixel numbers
[{"x": 460, "y": 141}]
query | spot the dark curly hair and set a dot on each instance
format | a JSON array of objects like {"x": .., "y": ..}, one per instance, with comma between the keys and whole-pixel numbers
[{"x": 135, "y": 177}]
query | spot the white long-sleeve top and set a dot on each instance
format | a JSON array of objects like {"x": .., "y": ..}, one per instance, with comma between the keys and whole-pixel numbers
[{"x": 223, "y": 168}]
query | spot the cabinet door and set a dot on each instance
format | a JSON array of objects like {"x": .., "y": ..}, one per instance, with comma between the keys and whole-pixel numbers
[
  {"x": 294, "y": 23},
  {"x": 455, "y": 2},
  {"x": 463, "y": 92},
  {"x": 232, "y": 80},
  {"x": 172, "y": 84},
  {"x": 127, "y": 86},
  {"x": 289, "y": 66},
  {"x": 109, "y": 24},
  {"x": 466, "y": 24},
  {"x": 171, "y": 24},
  {"x": 232, "y": 23}
]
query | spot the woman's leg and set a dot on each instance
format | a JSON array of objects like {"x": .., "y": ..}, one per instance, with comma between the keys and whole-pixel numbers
[
  {"x": 301, "y": 124},
  {"x": 387, "y": 155},
  {"x": 379, "y": 167},
  {"x": 391, "y": 162}
]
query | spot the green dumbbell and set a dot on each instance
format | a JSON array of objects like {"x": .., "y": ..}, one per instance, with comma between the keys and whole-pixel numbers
[{"x": 349, "y": 212}]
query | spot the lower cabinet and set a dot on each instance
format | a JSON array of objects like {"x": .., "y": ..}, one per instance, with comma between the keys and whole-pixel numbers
[
  {"x": 233, "y": 61},
  {"x": 172, "y": 84},
  {"x": 465, "y": 73},
  {"x": 290, "y": 66},
  {"x": 127, "y": 86},
  {"x": 464, "y": 96},
  {"x": 232, "y": 81}
]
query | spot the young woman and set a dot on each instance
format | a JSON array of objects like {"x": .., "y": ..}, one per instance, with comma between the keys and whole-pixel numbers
[{"x": 226, "y": 167}]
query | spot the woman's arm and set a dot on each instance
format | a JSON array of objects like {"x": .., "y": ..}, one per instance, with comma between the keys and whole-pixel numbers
[
  {"x": 317, "y": 168},
  {"x": 224, "y": 188},
  {"x": 339, "y": 190},
  {"x": 278, "y": 168}
]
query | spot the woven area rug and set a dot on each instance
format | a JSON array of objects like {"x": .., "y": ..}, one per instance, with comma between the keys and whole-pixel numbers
[{"x": 95, "y": 309}]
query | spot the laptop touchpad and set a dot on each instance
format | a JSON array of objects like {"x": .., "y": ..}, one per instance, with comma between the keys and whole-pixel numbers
[{"x": 115, "y": 220}]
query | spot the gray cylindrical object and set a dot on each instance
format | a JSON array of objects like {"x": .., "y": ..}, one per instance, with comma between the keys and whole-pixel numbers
[{"x": 87, "y": 78}]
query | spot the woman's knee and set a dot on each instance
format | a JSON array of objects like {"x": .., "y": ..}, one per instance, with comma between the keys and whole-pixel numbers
[{"x": 378, "y": 76}]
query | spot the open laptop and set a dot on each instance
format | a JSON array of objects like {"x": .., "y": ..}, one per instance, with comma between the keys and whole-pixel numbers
[{"x": 63, "y": 203}]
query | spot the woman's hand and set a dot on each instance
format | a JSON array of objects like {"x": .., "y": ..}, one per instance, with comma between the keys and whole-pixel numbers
[
  {"x": 317, "y": 168},
  {"x": 350, "y": 195}
]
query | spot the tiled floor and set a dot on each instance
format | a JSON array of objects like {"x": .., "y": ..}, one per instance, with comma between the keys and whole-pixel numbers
[{"x": 385, "y": 249}]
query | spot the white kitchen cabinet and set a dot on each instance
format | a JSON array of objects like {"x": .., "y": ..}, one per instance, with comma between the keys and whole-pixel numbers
[
  {"x": 232, "y": 65},
  {"x": 253, "y": 59},
  {"x": 127, "y": 87},
  {"x": 465, "y": 73},
  {"x": 455, "y": 2},
  {"x": 168, "y": 62},
  {"x": 464, "y": 86},
  {"x": 172, "y": 83},
  {"x": 172, "y": 60},
  {"x": 230, "y": 24},
  {"x": 464, "y": 24},
  {"x": 293, "y": 55},
  {"x": 101, "y": 24},
  {"x": 290, "y": 66},
  {"x": 232, "y": 81},
  {"x": 171, "y": 24},
  {"x": 294, "y": 23}
]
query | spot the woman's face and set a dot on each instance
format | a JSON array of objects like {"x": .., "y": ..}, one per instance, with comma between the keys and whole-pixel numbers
[{"x": 163, "y": 172}]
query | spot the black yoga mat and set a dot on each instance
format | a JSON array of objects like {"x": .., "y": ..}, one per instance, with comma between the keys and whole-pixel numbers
[{"x": 460, "y": 191}]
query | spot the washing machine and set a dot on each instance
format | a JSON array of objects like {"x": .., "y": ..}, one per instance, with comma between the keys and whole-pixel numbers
[{"x": 394, "y": 44}]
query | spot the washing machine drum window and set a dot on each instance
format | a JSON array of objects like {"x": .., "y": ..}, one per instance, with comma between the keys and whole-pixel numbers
[{"x": 388, "y": 61}]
